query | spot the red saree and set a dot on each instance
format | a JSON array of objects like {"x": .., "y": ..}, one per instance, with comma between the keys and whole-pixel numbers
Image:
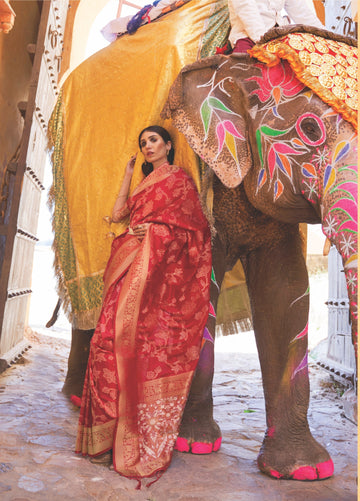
[{"x": 147, "y": 341}]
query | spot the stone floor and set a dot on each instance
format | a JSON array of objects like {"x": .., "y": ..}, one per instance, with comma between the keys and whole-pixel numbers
[{"x": 38, "y": 428}]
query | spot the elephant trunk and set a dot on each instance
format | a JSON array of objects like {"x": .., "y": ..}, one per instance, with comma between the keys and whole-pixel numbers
[{"x": 338, "y": 195}]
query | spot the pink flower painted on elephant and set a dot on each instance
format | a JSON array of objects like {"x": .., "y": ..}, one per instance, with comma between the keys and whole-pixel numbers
[
  {"x": 227, "y": 132},
  {"x": 276, "y": 83}
]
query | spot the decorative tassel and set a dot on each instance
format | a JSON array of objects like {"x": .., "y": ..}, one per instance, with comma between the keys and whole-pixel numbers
[{"x": 157, "y": 475}]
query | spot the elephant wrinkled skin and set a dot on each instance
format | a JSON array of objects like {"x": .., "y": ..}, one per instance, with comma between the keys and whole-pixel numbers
[{"x": 286, "y": 157}]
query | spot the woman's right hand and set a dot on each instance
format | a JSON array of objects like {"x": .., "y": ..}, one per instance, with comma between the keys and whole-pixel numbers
[
  {"x": 130, "y": 165},
  {"x": 140, "y": 231}
]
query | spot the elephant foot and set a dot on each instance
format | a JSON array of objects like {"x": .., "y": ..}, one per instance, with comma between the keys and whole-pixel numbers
[
  {"x": 77, "y": 362},
  {"x": 198, "y": 435},
  {"x": 73, "y": 388},
  {"x": 304, "y": 459}
]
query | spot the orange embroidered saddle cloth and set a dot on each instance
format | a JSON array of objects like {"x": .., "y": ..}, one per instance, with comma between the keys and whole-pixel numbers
[{"x": 325, "y": 62}]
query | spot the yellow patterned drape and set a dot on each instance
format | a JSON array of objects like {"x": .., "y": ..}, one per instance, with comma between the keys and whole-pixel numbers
[{"x": 103, "y": 105}]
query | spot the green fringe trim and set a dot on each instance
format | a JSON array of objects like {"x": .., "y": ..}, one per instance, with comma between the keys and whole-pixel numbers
[
  {"x": 81, "y": 296},
  {"x": 217, "y": 29}
]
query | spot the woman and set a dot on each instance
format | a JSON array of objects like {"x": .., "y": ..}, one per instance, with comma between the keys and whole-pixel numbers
[
  {"x": 250, "y": 19},
  {"x": 155, "y": 305}
]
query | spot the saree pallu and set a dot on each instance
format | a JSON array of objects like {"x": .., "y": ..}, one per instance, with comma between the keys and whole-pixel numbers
[{"x": 147, "y": 342}]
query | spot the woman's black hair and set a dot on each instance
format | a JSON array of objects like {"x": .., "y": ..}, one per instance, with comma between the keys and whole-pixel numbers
[{"x": 146, "y": 167}]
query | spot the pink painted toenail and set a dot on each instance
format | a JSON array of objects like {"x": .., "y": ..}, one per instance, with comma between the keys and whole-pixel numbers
[
  {"x": 201, "y": 448},
  {"x": 181, "y": 445},
  {"x": 325, "y": 469},
  {"x": 305, "y": 473},
  {"x": 276, "y": 474},
  {"x": 217, "y": 444},
  {"x": 75, "y": 400}
]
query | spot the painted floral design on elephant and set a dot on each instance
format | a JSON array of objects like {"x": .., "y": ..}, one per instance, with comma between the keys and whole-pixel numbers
[
  {"x": 302, "y": 335},
  {"x": 278, "y": 160},
  {"x": 277, "y": 84},
  {"x": 212, "y": 108},
  {"x": 323, "y": 180},
  {"x": 327, "y": 174}
]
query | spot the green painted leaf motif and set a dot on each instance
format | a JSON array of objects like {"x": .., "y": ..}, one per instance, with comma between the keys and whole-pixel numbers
[
  {"x": 248, "y": 411},
  {"x": 259, "y": 146},
  {"x": 218, "y": 105},
  {"x": 206, "y": 112},
  {"x": 268, "y": 131}
]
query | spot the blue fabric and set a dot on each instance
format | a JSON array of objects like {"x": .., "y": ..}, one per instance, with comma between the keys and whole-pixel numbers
[{"x": 136, "y": 20}]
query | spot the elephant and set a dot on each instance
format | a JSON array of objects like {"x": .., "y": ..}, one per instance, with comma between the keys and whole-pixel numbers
[
  {"x": 280, "y": 156},
  {"x": 276, "y": 155}
]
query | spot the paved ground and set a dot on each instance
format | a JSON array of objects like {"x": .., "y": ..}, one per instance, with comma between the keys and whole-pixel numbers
[{"x": 38, "y": 428}]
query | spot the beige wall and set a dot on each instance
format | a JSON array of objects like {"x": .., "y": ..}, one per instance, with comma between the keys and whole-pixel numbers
[
  {"x": 15, "y": 71},
  {"x": 78, "y": 31}
]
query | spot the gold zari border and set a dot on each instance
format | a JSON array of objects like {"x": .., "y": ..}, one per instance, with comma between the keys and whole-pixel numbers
[{"x": 97, "y": 439}]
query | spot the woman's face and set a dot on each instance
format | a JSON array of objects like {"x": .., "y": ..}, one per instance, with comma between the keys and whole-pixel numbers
[{"x": 154, "y": 148}]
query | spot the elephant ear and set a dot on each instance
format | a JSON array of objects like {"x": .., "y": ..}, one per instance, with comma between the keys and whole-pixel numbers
[{"x": 207, "y": 105}]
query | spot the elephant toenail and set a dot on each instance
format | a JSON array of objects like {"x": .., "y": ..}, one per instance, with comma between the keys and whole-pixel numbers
[
  {"x": 305, "y": 473},
  {"x": 276, "y": 474},
  {"x": 181, "y": 445},
  {"x": 325, "y": 469},
  {"x": 217, "y": 444},
  {"x": 201, "y": 448}
]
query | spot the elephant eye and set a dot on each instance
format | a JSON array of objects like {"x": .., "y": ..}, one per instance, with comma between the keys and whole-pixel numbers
[{"x": 311, "y": 129}]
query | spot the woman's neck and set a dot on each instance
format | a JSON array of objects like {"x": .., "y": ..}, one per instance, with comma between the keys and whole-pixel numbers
[{"x": 159, "y": 163}]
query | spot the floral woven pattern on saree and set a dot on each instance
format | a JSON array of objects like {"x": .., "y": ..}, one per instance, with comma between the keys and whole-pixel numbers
[{"x": 147, "y": 342}]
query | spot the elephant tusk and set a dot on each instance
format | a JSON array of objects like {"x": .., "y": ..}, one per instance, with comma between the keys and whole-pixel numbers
[{"x": 326, "y": 248}]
